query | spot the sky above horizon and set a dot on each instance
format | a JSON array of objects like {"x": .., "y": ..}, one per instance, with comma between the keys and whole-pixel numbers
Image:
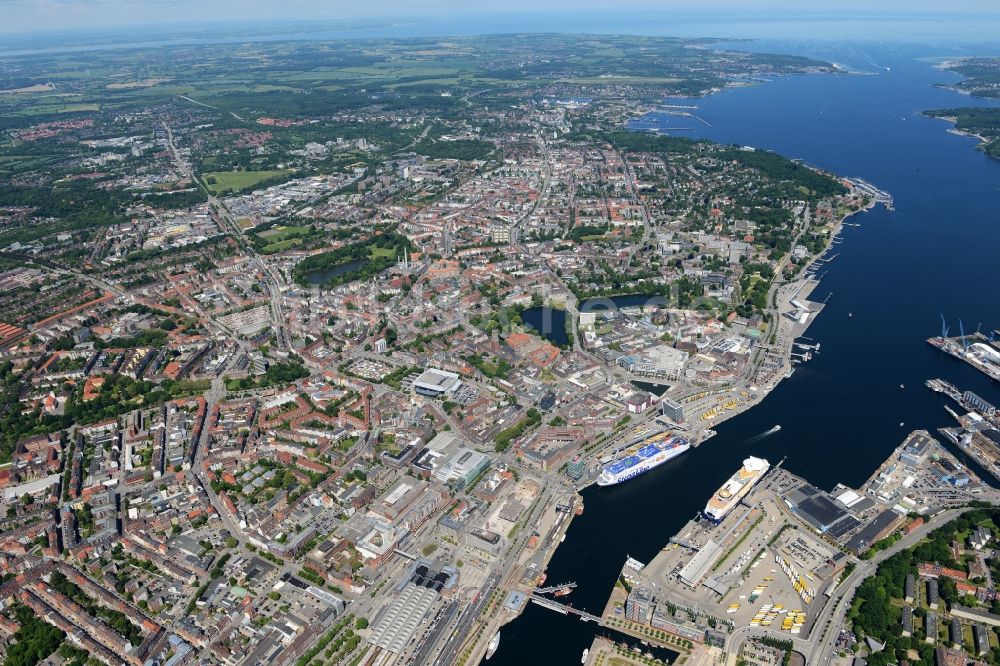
[{"x": 26, "y": 16}]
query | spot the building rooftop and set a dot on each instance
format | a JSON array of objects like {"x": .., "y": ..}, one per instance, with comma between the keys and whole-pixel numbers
[
  {"x": 401, "y": 618},
  {"x": 460, "y": 465},
  {"x": 436, "y": 381}
]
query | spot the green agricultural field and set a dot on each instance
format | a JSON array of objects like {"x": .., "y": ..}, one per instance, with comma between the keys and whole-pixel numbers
[
  {"x": 44, "y": 108},
  {"x": 444, "y": 81},
  {"x": 234, "y": 181},
  {"x": 273, "y": 88},
  {"x": 300, "y": 79},
  {"x": 16, "y": 163}
]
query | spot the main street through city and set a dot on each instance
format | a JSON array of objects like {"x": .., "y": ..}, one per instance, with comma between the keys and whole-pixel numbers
[{"x": 271, "y": 278}]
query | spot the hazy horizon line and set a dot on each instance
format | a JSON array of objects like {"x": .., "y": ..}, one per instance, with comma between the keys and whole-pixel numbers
[{"x": 353, "y": 22}]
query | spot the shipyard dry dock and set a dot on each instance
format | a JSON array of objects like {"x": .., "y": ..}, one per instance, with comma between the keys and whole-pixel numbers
[{"x": 980, "y": 351}]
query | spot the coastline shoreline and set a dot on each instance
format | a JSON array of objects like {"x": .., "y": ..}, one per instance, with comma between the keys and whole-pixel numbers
[
  {"x": 807, "y": 284},
  {"x": 950, "y": 65},
  {"x": 960, "y": 132}
]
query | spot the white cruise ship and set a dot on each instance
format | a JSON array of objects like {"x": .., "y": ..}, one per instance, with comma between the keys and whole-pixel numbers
[{"x": 736, "y": 488}]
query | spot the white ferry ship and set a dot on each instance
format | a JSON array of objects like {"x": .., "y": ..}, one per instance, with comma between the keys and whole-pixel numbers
[{"x": 655, "y": 451}]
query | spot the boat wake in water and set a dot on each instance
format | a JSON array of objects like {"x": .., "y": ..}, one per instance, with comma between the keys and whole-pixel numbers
[{"x": 767, "y": 433}]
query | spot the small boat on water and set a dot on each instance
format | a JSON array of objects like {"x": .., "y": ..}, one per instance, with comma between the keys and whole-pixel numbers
[
  {"x": 583, "y": 659},
  {"x": 493, "y": 645}
]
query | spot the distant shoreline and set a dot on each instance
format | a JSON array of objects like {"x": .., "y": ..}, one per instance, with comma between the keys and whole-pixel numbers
[{"x": 982, "y": 140}]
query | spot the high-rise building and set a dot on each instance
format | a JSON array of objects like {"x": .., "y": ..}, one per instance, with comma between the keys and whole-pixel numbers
[
  {"x": 639, "y": 605},
  {"x": 672, "y": 410}
]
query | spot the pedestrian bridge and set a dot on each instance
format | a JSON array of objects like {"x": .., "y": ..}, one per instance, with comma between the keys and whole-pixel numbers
[{"x": 564, "y": 609}]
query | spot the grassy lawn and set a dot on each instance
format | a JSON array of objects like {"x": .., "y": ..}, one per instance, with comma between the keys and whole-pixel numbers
[
  {"x": 281, "y": 246},
  {"x": 280, "y": 239},
  {"x": 220, "y": 181},
  {"x": 282, "y": 233},
  {"x": 381, "y": 252}
]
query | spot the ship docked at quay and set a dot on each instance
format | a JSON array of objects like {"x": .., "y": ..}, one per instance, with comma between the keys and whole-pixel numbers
[
  {"x": 652, "y": 453},
  {"x": 736, "y": 488},
  {"x": 493, "y": 645},
  {"x": 977, "y": 350}
]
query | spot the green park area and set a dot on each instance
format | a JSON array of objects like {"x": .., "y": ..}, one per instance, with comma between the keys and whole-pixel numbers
[
  {"x": 356, "y": 261},
  {"x": 220, "y": 182},
  {"x": 279, "y": 239}
]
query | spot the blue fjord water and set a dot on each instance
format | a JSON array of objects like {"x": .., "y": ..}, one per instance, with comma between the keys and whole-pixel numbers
[{"x": 841, "y": 412}]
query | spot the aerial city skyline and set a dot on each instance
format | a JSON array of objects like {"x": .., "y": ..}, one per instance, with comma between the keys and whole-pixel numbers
[{"x": 438, "y": 333}]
